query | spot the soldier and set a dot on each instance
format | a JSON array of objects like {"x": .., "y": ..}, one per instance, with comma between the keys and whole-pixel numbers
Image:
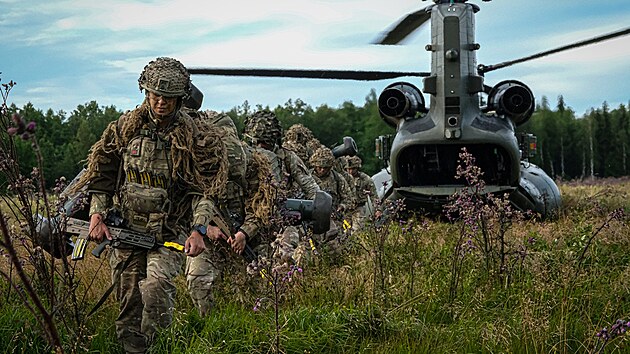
[
  {"x": 246, "y": 206},
  {"x": 336, "y": 185},
  {"x": 159, "y": 168},
  {"x": 363, "y": 187},
  {"x": 263, "y": 131}
]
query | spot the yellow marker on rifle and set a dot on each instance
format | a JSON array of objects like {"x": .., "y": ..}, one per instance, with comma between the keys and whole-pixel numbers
[
  {"x": 174, "y": 245},
  {"x": 346, "y": 225},
  {"x": 313, "y": 249}
]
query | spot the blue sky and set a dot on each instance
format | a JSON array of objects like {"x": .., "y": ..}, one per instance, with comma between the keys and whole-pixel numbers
[{"x": 64, "y": 53}]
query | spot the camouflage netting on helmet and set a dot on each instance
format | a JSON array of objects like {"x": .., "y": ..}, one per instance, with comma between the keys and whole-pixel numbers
[
  {"x": 301, "y": 140},
  {"x": 263, "y": 127},
  {"x": 353, "y": 162},
  {"x": 165, "y": 77},
  {"x": 298, "y": 133},
  {"x": 322, "y": 157},
  {"x": 314, "y": 144},
  {"x": 198, "y": 154}
]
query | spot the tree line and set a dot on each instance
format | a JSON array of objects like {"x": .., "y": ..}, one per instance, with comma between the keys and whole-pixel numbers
[
  {"x": 569, "y": 147},
  {"x": 595, "y": 145}
]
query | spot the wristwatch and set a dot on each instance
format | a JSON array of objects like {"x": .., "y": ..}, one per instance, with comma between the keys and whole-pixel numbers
[{"x": 200, "y": 229}]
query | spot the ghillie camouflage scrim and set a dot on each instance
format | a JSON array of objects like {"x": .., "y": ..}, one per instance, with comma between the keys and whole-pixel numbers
[
  {"x": 262, "y": 200},
  {"x": 323, "y": 157},
  {"x": 263, "y": 127},
  {"x": 197, "y": 152},
  {"x": 301, "y": 140},
  {"x": 260, "y": 192}
]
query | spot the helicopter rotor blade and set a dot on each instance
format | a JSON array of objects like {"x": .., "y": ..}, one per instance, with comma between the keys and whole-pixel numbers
[
  {"x": 405, "y": 26},
  {"x": 484, "y": 69},
  {"x": 308, "y": 74}
]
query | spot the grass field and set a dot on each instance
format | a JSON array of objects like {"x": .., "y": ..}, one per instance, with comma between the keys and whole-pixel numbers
[{"x": 403, "y": 289}]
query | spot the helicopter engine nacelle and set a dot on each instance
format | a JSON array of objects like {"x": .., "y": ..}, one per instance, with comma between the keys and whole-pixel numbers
[
  {"x": 400, "y": 100},
  {"x": 512, "y": 99}
]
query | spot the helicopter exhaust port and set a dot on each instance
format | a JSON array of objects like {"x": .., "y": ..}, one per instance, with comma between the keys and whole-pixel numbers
[
  {"x": 512, "y": 99},
  {"x": 400, "y": 100}
]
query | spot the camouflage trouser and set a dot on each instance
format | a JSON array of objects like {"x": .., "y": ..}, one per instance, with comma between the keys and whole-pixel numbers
[
  {"x": 146, "y": 293},
  {"x": 286, "y": 244},
  {"x": 358, "y": 219},
  {"x": 202, "y": 272}
]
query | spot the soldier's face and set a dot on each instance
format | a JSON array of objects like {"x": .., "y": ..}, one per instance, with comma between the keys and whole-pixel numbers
[
  {"x": 352, "y": 171},
  {"x": 321, "y": 171},
  {"x": 162, "y": 106}
]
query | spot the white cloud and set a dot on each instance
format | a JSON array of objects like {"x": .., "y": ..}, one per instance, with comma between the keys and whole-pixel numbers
[{"x": 114, "y": 40}]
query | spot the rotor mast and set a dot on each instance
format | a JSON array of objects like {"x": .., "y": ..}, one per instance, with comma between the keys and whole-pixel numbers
[{"x": 454, "y": 83}]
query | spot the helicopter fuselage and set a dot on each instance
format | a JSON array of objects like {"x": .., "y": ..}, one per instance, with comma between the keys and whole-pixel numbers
[{"x": 425, "y": 152}]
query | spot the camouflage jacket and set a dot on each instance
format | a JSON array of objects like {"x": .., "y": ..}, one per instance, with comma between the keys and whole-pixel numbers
[
  {"x": 362, "y": 186},
  {"x": 158, "y": 189},
  {"x": 291, "y": 174},
  {"x": 337, "y": 186}
]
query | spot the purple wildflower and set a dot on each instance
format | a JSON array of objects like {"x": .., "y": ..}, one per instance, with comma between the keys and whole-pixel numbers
[{"x": 31, "y": 127}]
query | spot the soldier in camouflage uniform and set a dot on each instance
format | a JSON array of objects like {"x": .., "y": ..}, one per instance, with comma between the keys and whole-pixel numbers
[
  {"x": 336, "y": 185},
  {"x": 263, "y": 131},
  {"x": 246, "y": 206},
  {"x": 362, "y": 186},
  {"x": 159, "y": 168}
]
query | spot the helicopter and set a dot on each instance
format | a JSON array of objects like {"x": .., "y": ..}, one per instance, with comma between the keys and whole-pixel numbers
[{"x": 420, "y": 160}]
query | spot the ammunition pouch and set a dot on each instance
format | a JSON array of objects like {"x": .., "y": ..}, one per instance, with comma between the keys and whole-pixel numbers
[{"x": 145, "y": 208}]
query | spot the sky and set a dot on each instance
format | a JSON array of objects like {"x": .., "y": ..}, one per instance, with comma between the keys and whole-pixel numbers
[{"x": 65, "y": 53}]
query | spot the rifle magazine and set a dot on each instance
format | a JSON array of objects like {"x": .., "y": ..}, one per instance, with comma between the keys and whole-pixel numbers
[{"x": 79, "y": 249}]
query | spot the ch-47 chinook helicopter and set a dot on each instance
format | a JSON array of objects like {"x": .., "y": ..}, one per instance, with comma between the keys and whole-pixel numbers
[{"x": 422, "y": 157}]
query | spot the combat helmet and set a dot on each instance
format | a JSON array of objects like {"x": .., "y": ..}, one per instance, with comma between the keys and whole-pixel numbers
[
  {"x": 354, "y": 162},
  {"x": 299, "y": 134},
  {"x": 263, "y": 127},
  {"x": 165, "y": 77},
  {"x": 322, "y": 157}
]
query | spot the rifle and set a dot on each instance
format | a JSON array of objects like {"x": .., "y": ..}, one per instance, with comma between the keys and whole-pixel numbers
[
  {"x": 315, "y": 213},
  {"x": 230, "y": 230},
  {"x": 120, "y": 237}
]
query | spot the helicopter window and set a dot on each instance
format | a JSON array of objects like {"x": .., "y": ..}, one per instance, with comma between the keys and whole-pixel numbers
[{"x": 436, "y": 165}]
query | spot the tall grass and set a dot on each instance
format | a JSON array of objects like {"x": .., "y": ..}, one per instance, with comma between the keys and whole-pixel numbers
[
  {"x": 554, "y": 303},
  {"x": 392, "y": 293}
]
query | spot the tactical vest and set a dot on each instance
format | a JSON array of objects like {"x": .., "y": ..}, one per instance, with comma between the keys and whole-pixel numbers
[
  {"x": 144, "y": 195},
  {"x": 331, "y": 185}
]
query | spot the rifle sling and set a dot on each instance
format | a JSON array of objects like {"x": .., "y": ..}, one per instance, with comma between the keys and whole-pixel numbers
[{"x": 115, "y": 283}]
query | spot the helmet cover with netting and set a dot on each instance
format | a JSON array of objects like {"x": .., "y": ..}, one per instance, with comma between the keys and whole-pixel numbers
[
  {"x": 354, "y": 162},
  {"x": 165, "y": 77},
  {"x": 299, "y": 134},
  {"x": 323, "y": 157},
  {"x": 263, "y": 127}
]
